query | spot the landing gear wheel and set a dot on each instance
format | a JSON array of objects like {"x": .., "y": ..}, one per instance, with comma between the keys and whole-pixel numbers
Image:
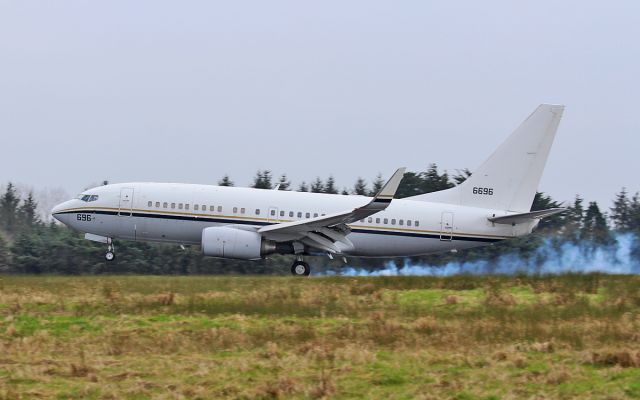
[
  {"x": 110, "y": 255},
  {"x": 300, "y": 268}
]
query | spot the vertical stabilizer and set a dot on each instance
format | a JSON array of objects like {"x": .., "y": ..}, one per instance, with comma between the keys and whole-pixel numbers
[{"x": 508, "y": 180}]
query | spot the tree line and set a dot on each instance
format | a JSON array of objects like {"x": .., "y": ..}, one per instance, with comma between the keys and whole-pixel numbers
[{"x": 30, "y": 245}]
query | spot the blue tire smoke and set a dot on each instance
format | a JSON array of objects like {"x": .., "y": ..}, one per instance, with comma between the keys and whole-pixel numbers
[{"x": 550, "y": 258}]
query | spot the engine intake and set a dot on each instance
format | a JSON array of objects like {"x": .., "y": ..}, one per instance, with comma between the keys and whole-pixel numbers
[{"x": 227, "y": 242}]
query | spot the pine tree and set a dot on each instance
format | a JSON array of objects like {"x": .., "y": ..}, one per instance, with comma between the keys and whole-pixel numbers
[
  {"x": 360, "y": 188},
  {"x": 377, "y": 185},
  {"x": 413, "y": 184},
  {"x": 262, "y": 180},
  {"x": 433, "y": 181},
  {"x": 330, "y": 186},
  {"x": 620, "y": 212},
  {"x": 410, "y": 185},
  {"x": 225, "y": 181},
  {"x": 4, "y": 255},
  {"x": 27, "y": 213},
  {"x": 303, "y": 187},
  {"x": 634, "y": 213},
  {"x": 573, "y": 220},
  {"x": 284, "y": 183},
  {"x": 9, "y": 209},
  {"x": 317, "y": 186},
  {"x": 462, "y": 176},
  {"x": 595, "y": 228},
  {"x": 344, "y": 192}
]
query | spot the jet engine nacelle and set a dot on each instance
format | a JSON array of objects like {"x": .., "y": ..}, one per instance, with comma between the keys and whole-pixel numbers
[{"x": 228, "y": 242}]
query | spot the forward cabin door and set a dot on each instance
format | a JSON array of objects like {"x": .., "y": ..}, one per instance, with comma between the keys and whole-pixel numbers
[
  {"x": 127, "y": 226},
  {"x": 446, "y": 226},
  {"x": 126, "y": 202}
]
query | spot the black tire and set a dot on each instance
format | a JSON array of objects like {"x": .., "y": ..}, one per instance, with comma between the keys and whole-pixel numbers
[{"x": 300, "y": 268}]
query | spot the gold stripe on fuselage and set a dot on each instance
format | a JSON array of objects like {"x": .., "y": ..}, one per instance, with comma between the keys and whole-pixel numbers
[{"x": 245, "y": 219}]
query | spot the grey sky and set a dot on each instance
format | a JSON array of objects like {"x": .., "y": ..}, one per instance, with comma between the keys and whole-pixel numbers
[{"x": 188, "y": 91}]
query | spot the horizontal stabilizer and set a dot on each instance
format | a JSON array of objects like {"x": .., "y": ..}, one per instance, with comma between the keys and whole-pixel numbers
[{"x": 526, "y": 217}]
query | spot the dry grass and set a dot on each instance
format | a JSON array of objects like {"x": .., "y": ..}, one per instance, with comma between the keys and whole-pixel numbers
[{"x": 254, "y": 337}]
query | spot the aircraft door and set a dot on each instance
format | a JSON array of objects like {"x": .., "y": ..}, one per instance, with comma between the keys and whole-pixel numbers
[
  {"x": 126, "y": 202},
  {"x": 446, "y": 226},
  {"x": 272, "y": 215}
]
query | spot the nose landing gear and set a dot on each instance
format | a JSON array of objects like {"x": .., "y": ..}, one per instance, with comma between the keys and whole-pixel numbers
[{"x": 110, "y": 254}]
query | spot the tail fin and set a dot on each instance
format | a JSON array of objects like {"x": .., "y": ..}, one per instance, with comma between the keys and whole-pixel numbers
[{"x": 508, "y": 180}]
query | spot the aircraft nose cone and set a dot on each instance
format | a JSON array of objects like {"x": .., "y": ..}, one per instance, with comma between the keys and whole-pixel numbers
[{"x": 55, "y": 212}]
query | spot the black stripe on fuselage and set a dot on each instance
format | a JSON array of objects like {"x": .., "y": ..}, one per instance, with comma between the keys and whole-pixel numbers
[{"x": 262, "y": 223}]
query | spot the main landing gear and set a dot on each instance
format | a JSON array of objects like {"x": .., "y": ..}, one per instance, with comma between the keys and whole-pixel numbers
[
  {"x": 111, "y": 251},
  {"x": 300, "y": 268}
]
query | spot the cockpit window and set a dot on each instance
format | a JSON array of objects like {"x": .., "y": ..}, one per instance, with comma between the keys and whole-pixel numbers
[{"x": 88, "y": 197}]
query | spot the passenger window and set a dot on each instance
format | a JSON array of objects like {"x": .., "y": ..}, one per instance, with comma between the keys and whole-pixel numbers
[
  {"x": 282, "y": 213},
  {"x": 149, "y": 204},
  {"x": 370, "y": 220},
  {"x": 308, "y": 215},
  {"x": 393, "y": 221},
  {"x": 417, "y": 223},
  {"x": 315, "y": 215},
  {"x": 211, "y": 208},
  {"x": 377, "y": 220},
  {"x": 273, "y": 212},
  {"x": 386, "y": 221},
  {"x": 219, "y": 208},
  {"x": 179, "y": 206},
  {"x": 362, "y": 221},
  {"x": 173, "y": 205},
  {"x": 299, "y": 214},
  {"x": 204, "y": 208},
  {"x": 401, "y": 222},
  {"x": 408, "y": 222},
  {"x": 164, "y": 205},
  {"x": 157, "y": 204},
  {"x": 242, "y": 210},
  {"x": 196, "y": 207},
  {"x": 235, "y": 210},
  {"x": 186, "y": 206},
  {"x": 291, "y": 214},
  {"x": 257, "y": 211}
]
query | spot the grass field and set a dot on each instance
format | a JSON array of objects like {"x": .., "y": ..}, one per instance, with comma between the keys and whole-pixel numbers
[{"x": 135, "y": 337}]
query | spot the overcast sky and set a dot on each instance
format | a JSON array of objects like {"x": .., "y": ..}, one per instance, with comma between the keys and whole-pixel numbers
[{"x": 189, "y": 91}]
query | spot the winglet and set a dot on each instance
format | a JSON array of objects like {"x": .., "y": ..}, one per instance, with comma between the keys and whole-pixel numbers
[{"x": 385, "y": 195}]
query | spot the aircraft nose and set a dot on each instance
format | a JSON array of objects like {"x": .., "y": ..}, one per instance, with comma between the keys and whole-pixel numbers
[{"x": 55, "y": 212}]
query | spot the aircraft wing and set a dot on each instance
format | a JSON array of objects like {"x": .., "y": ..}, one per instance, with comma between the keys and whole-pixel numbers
[
  {"x": 322, "y": 232},
  {"x": 526, "y": 217}
]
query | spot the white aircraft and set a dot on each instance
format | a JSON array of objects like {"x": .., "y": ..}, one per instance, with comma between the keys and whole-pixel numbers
[{"x": 249, "y": 224}]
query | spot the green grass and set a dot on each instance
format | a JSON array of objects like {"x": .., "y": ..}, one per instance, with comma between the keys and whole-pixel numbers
[{"x": 139, "y": 337}]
